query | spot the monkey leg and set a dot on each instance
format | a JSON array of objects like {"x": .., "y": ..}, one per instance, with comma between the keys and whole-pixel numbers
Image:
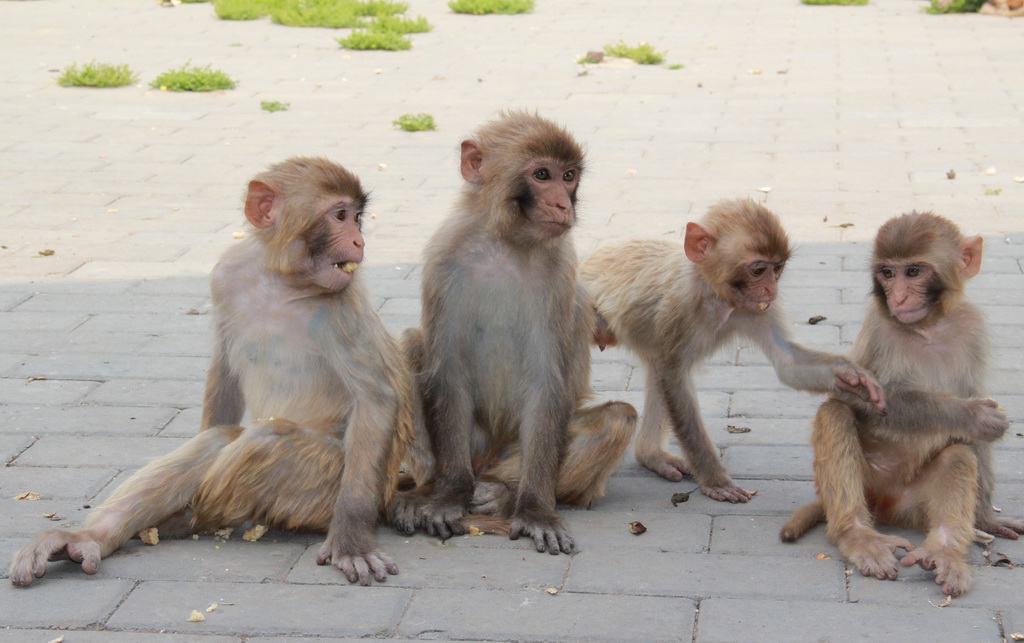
[
  {"x": 944, "y": 498},
  {"x": 598, "y": 438},
  {"x": 155, "y": 493},
  {"x": 985, "y": 518},
  {"x": 651, "y": 446},
  {"x": 802, "y": 520},
  {"x": 839, "y": 474},
  {"x": 276, "y": 474}
]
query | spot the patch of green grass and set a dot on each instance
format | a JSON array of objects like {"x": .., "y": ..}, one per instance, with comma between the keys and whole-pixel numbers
[
  {"x": 241, "y": 9},
  {"x": 94, "y": 74},
  {"x": 363, "y": 39},
  {"x": 643, "y": 53},
  {"x": 400, "y": 25},
  {"x": 274, "y": 106},
  {"x": 481, "y": 7},
  {"x": 415, "y": 122},
  {"x": 955, "y": 6},
  {"x": 675, "y": 66},
  {"x": 834, "y": 1},
  {"x": 336, "y": 14},
  {"x": 192, "y": 79}
]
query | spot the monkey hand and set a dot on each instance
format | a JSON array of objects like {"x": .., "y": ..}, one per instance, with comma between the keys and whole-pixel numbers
[
  {"x": 991, "y": 421},
  {"x": 873, "y": 553},
  {"x": 492, "y": 498},
  {"x": 545, "y": 528},
  {"x": 727, "y": 492},
  {"x": 78, "y": 546},
  {"x": 951, "y": 570},
  {"x": 1009, "y": 528},
  {"x": 856, "y": 381},
  {"x": 338, "y": 550}
]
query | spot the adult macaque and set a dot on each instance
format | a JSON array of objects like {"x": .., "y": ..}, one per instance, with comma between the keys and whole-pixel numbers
[
  {"x": 675, "y": 305},
  {"x": 299, "y": 345},
  {"x": 502, "y": 361},
  {"x": 927, "y": 463}
]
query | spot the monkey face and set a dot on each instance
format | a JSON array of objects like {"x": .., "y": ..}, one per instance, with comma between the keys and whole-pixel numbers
[
  {"x": 547, "y": 196},
  {"x": 755, "y": 284},
  {"x": 335, "y": 246},
  {"x": 909, "y": 289}
]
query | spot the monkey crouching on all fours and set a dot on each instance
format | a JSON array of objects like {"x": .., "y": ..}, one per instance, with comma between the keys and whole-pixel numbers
[
  {"x": 298, "y": 345},
  {"x": 926, "y": 463}
]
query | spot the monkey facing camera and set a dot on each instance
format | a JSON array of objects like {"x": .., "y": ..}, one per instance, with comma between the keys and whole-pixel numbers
[{"x": 926, "y": 463}]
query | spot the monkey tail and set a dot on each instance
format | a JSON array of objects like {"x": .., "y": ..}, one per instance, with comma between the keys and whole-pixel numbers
[
  {"x": 810, "y": 515},
  {"x": 486, "y": 524}
]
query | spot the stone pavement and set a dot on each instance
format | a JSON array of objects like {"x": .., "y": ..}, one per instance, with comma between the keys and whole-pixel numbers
[{"x": 850, "y": 115}]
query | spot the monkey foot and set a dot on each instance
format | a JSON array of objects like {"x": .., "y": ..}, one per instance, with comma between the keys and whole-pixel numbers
[
  {"x": 29, "y": 563},
  {"x": 1009, "y": 528},
  {"x": 665, "y": 464},
  {"x": 493, "y": 499},
  {"x": 438, "y": 514},
  {"x": 358, "y": 567},
  {"x": 951, "y": 571},
  {"x": 730, "y": 492},
  {"x": 874, "y": 554}
]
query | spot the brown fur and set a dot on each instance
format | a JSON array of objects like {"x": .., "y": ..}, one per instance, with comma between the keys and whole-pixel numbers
[
  {"x": 502, "y": 362},
  {"x": 674, "y": 305},
  {"x": 300, "y": 347},
  {"x": 927, "y": 463}
]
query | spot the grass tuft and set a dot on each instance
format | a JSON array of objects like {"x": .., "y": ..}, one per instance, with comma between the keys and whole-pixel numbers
[
  {"x": 94, "y": 74},
  {"x": 843, "y": 2},
  {"x": 364, "y": 39},
  {"x": 274, "y": 106},
  {"x": 482, "y": 7},
  {"x": 192, "y": 79},
  {"x": 643, "y": 53},
  {"x": 415, "y": 122},
  {"x": 955, "y": 6}
]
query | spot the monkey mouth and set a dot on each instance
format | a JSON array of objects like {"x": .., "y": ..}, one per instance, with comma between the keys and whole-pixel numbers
[
  {"x": 347, "y": 266},
  {"x": 763, "y": 306}
]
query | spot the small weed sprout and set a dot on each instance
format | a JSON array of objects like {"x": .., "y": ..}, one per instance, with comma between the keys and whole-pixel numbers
[
  {"x": 643, "y": 53},
  {"x": 415, "y": 122},
  {"x": 94, "y": 74},
  {"x": 843, "y": 2},
  {"x": 274, "y": 106},
  {"x": 675, "y": 66},
  {"x": 363, "y": 39},
  {"x": 192, "y": 79},
  {"x": 482, "y": 7}
]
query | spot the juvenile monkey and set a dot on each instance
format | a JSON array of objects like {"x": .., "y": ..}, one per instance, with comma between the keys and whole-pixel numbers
[
  {"x": 299, "y": 345},
  {"x": 927, "y": 463},
  {"x": 502, "y": 360},
  {"x": 674, "y": 305}
]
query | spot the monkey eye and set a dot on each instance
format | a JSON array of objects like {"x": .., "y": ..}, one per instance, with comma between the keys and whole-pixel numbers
[
  {"x": 778, "y": 268},
  {"x": 541, "y": 174},
  {"x": 757, "y": 271},
  {"x": 340, "y": 214},
  {"x": 887, "y": 273},
  {"x": 913, "y": 271},
  {"x": 569, "y": 176}
]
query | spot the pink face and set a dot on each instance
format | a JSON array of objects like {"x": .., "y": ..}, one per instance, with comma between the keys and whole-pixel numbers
[
  {"x": 336, "y": 246},
  {"x": 909, "y": 293},
  {"x": 757, "y": 284},
  {"x": 550, "y": 198}
]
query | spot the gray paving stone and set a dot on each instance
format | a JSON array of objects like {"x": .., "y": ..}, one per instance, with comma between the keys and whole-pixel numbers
[
  {"x": 537, "y": 615},
  {"x": 707, "y": 575},
  {"x": 48, "y": 604},
  {"x": 58, "y": 483},
  {"x": 95, "y": 451},
  {"x": 107, "y": 636},
  {"x": 775, "y": 463},
  {"x": 84, "y": 420},
  {"x": 264, "y": 609},
  {"x": 177, "y": 394},
  {"x": 41, "y": 391},
  {"x": 729, "y": 619}
]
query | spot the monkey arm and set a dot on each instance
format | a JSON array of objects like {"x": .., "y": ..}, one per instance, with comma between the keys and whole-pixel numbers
[
  {"x": 912, "y": 413},
  {"x": 223, "y": 402},
  {"x": 809, "y": 370}
]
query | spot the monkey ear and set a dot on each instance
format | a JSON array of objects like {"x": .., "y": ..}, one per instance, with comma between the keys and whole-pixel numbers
[
  {"x": 970, "y": 256},
  {"x": 472, "y": 161},
  {"x": 698, "y": 242},
  {"x": 259, "y": 204}
]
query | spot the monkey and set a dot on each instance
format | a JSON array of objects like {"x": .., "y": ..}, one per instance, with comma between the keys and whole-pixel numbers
[
  {"x": 927, "y": 463},
  {"x": 299, "y": 345},
  {"x": 673, "y": 305},
  {"x": 502, "y": 361}
]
